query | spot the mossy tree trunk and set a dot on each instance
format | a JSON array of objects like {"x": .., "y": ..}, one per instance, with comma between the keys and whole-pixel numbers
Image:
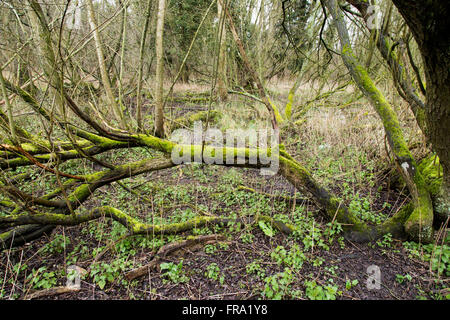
[
  {"x": 399, "y": 72},
  {"x": 419, "y": 224}
]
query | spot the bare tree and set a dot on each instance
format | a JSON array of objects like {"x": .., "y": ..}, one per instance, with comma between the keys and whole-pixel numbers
[
  {"x": 141, "y": 65},
  {"x": 222, "y": 63},
  {"x": 102, "y": 66},
  {"x": 159, "y": 94}
]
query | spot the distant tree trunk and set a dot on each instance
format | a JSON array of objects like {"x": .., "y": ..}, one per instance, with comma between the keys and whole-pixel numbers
[
  {"x": 159, "y": 112},
  {"x": 141, "y": 66},
  {"x": 260, "y": 51},
  {"x": 12, "y": 129},
  {"x": 101, "y": 63},
  {"x": 430, "y": 24},
  {"x": 122, "y": 57},
  {"x": 42, "y": 35},
  {"x": 222, "y": 65}
]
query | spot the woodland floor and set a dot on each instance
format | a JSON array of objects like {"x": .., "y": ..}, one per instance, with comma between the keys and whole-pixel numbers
[
  {"x": 248, "y": 264},
  {"x": 338, "y": 263}
]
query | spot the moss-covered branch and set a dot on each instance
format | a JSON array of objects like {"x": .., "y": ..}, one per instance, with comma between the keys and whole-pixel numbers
[
  {"x": 289, "y": 168},
  {"x": 399, "y": 72},
  {"x": 189, "y": 119},
  {"x": 419, "y": 223}
]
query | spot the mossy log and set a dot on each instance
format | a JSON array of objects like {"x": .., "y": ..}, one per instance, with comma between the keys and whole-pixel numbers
[
  {"x": 134, "y": 226},
  {"x": 188, "y": 120}
]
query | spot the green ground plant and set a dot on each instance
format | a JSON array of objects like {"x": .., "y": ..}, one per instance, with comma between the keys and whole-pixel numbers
[{"x": 173, "y": 272}]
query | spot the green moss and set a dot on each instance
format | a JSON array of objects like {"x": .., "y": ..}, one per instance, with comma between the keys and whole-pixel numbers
[
  {"x": 8, "y": 204},
  {"x": 288, "y": 109},
  {"x": 189, "y": 119},
  {"x": 278, "y": 116},
  {"x": 419, "y": 225},
  {"x": 79, "y": 194},
  {"x": 162, "y": 145},
  {"x": 202, "y": 116},
  {"x": 286, "y": 228},
  {"x": 432, "y": 173},
  {"x": 183, "y": 226},
  {"x": 99, "y": 141}
]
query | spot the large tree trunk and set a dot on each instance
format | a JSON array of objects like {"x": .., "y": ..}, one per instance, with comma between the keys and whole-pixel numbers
[
  {"x": 430, "y": 25},
  {"x": 438, "y": 121}
]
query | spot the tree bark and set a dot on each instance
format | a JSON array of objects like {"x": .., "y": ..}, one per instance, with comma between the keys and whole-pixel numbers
[
  {"x": 430, "y": 24},
  {"x": 222, "y": 66},
  {"x": 401, "y": 77},
  {"x": 102, "y": 66},
  {"x": 141, "y": 66},
  {"x": 159, "y": 112}
]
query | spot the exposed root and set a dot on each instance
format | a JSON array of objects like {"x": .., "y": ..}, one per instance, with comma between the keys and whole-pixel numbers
[
  {"x": 50, "y": 292},
  {"x": 272, "y": 196},
  {"x": 171, "y": 249}
]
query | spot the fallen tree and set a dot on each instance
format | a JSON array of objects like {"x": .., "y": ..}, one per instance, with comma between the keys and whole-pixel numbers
[
  {"x": 29, "y": 221},
  {"x": 24, "y": 217}
]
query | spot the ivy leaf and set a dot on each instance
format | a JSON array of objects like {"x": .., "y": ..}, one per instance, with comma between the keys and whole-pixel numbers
[
  {"x": 268, "y": 231},
  {"x": 101, "y": 284}
]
